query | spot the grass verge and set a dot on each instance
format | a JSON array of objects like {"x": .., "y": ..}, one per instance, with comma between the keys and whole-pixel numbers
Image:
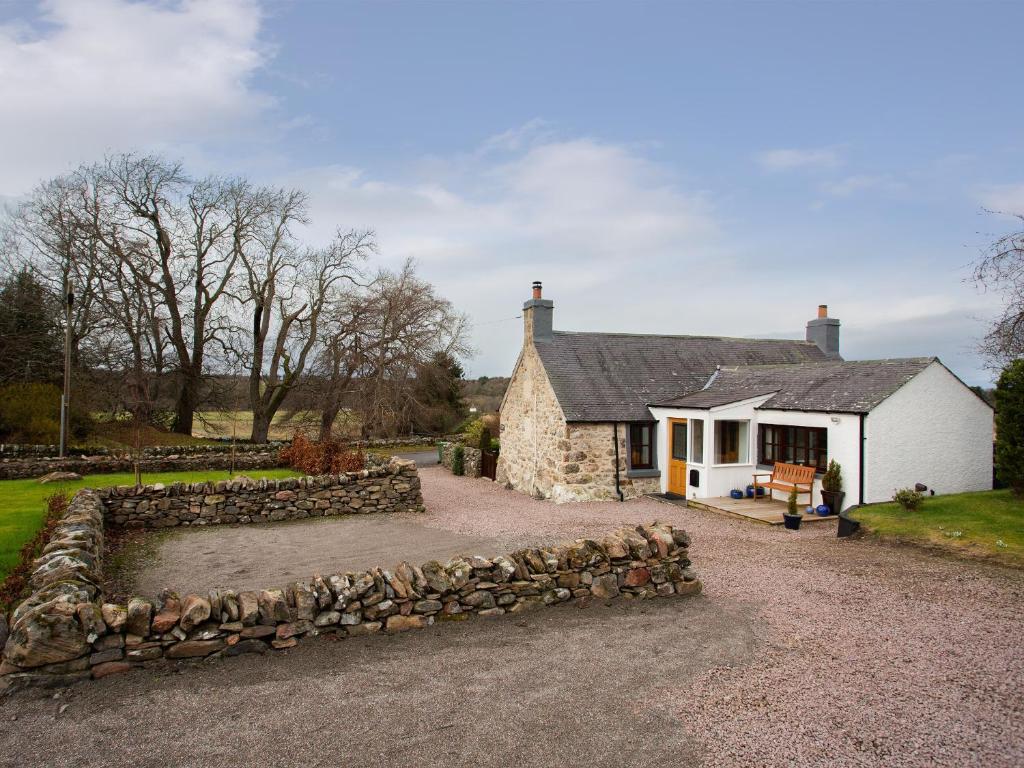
[
  {"x": 987, "y": 524},
  {"x": 23, "y": 502}
]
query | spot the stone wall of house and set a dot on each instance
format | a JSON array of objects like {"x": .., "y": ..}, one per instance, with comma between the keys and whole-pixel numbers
[
  {"x": 393, "y": 487},
  {"x": 533, "y": 430},
  {"x": 586, "y": 465},
  {"x": 471, "y": 458},
  {"x": 66, "y": 631}
]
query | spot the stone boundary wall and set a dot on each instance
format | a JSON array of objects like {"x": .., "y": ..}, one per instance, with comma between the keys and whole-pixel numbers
[
  {"x": 393, "y": 487},
  {"x": 23, "y": 450},
  {"x": 17, "y": 469},
  {"x": 19, "y": 462},
  {"x": 66, "y": 632},
  {"x": 471, "y": 458}
]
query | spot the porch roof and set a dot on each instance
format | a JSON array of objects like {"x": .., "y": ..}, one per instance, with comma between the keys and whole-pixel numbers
[{"x": 853, "y": 386}]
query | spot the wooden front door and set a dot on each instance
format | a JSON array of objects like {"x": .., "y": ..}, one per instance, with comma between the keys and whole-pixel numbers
[{"x": 677, "y": 447}]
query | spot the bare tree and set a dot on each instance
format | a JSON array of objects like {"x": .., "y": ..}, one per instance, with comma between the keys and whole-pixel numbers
[
  {"x": 43, "y": 234},
  {"x": 288, "y": 288},
  {"x": 179, "y": 240},
  {"x": 1001, "y": 269},
  {"x": 378, "y": 342}
]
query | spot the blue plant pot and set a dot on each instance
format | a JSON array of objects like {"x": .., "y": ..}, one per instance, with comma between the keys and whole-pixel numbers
[
  {"x": 736, "y": 494},
  {"x": 823, "y": 510}
]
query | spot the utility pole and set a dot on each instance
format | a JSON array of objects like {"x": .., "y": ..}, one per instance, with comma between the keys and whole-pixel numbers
[{"x": 65, "y": 398}]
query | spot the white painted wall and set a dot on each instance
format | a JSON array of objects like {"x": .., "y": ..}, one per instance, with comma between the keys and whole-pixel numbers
[
  {"x": 933, "y": 430},
  {"x": 718, "y": 480},
  {"x": 843, "y": 438}
]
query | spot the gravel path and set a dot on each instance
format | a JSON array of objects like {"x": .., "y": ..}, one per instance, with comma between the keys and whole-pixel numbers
[
  {"x": 870, "y": 655},
  {"x": 804, "y": 650}
]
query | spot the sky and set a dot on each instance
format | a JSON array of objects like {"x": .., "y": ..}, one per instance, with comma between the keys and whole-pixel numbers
[{"x": 707, "y": 168}]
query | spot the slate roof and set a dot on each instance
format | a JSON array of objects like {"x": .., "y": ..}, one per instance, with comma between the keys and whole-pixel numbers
[
  {"x": 854, "y": 386},
  {"x": 600, "y": 377}
]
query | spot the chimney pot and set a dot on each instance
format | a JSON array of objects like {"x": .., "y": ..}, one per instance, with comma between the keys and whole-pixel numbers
[
  {"x": 823, "y": 310},
  {"x": 536, "y": 289}
]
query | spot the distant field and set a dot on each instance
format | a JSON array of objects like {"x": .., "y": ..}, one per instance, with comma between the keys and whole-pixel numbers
[
  {"x": 23, "y": 504},
  {"x": 220, "y": 424},
  {"x": 116, "y": 435}
]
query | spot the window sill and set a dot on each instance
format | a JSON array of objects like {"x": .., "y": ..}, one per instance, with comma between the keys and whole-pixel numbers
[
  {"x": 638, "y": 473},
  {"x": 746, "y": 464}
]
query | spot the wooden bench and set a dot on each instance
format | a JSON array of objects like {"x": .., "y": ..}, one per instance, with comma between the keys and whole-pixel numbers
[{"x": 786, "y": 477}]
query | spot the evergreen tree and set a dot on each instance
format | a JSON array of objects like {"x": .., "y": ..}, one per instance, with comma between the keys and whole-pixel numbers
[
  {"x": 31, "y": 349},
  {"x": 1010, "y": 426},
  {"x": 438, "y": 395}
]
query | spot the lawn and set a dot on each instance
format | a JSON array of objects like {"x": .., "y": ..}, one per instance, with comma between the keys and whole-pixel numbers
[
  {"x": 987, "y": 524},
  {"x": 23, "y": 502}
]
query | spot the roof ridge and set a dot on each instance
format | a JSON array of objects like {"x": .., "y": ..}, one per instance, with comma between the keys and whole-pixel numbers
[
  {"x": 681, "y": 336},
  {"x": 824, "y": 363}
]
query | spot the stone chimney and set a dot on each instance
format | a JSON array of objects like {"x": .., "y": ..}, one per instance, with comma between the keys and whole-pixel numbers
[
  {"x": 824, "y": 331},
  {"x": 537, "y": 316}
]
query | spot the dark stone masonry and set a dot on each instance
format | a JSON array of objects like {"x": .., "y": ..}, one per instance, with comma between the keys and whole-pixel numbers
[
  {"x": 394, "y": 487},
  {"x": 65, "y": 630}
]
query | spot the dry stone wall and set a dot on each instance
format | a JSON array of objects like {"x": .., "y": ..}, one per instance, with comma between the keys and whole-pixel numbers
[
  {"x": 25, "y": 461},
  {"x": 14, "y": 469},
  {"x": 66, "y": 631},
  {"x": 394, "y": 487},
  {"x": 471, "y": 458}
]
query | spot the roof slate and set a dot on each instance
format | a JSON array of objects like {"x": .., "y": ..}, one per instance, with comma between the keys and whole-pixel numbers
[
  {"x": 853, "y": 386},
  {"x": 601, "y": 377}
]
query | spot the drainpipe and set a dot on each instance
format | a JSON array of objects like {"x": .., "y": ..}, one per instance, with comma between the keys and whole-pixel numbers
[
  {"x": 863, "y": 417},
  {"x": 618, "y": 487}
]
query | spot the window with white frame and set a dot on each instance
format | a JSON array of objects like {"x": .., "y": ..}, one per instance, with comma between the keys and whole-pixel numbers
[
  {"x": 697, "y": 441},
  {"x": 732, "y": 444}
]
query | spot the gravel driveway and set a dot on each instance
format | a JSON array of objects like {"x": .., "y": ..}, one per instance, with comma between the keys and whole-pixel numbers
[{"x": 804, "y": 650}]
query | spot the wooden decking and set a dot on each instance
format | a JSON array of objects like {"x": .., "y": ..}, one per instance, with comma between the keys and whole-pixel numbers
[{"x": 763, "y": 510}]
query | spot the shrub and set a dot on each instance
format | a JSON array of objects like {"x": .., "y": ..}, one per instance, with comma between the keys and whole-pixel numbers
[
  {"x": 909, "y": 499},
  {"x": 485, "y": 439},
  {"x": 1010, "y": 427},
  {"x": 832, "y": 480},
  {"x": 473, "y": 430},
  {"x": 459, "y": 460},
  {"x": 30, "y": 413},
  {"x": 323, "y": 457},
  {"x": 791, "y": 502}
]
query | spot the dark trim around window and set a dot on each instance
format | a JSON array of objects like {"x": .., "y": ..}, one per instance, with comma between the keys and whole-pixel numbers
[
  {"x": 642, "y": 448},
  {"x": 792, "y": 445}
]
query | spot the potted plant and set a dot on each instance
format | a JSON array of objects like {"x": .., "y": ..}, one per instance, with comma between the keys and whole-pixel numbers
[
  {"x": 832, "y": 487},
  {"x": 791, "y": 517}
]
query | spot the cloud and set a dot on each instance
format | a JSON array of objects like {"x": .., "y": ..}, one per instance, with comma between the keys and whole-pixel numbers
[
  {"x": 798, "y": 159},
  {"x": 591, "y": 219},
  {"x": 87, "y": 78},
  {"x": 1003, "y": 198}
]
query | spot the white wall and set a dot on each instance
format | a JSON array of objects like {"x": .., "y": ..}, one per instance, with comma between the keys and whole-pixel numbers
[
  {"x": 933, "y": 430},
  {"x": 717, "y": 481},
  {"x": 843, "y": 438}
]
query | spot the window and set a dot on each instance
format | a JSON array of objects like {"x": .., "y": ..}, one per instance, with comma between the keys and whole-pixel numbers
[
  {"x": 697, "y": 436},
  {"x": 794, "y": 445},
  {"x": 731, "y": 442},
  {"x": 679, "y": 440},
  {"x": 641, "y": 446}
]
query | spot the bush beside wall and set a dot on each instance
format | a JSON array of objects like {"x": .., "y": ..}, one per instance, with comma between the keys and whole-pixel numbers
[{"x": 471, "y": 459}]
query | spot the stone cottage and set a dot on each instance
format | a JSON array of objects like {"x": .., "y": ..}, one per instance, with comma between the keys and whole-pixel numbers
[{"x": 616, "y": 415}]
